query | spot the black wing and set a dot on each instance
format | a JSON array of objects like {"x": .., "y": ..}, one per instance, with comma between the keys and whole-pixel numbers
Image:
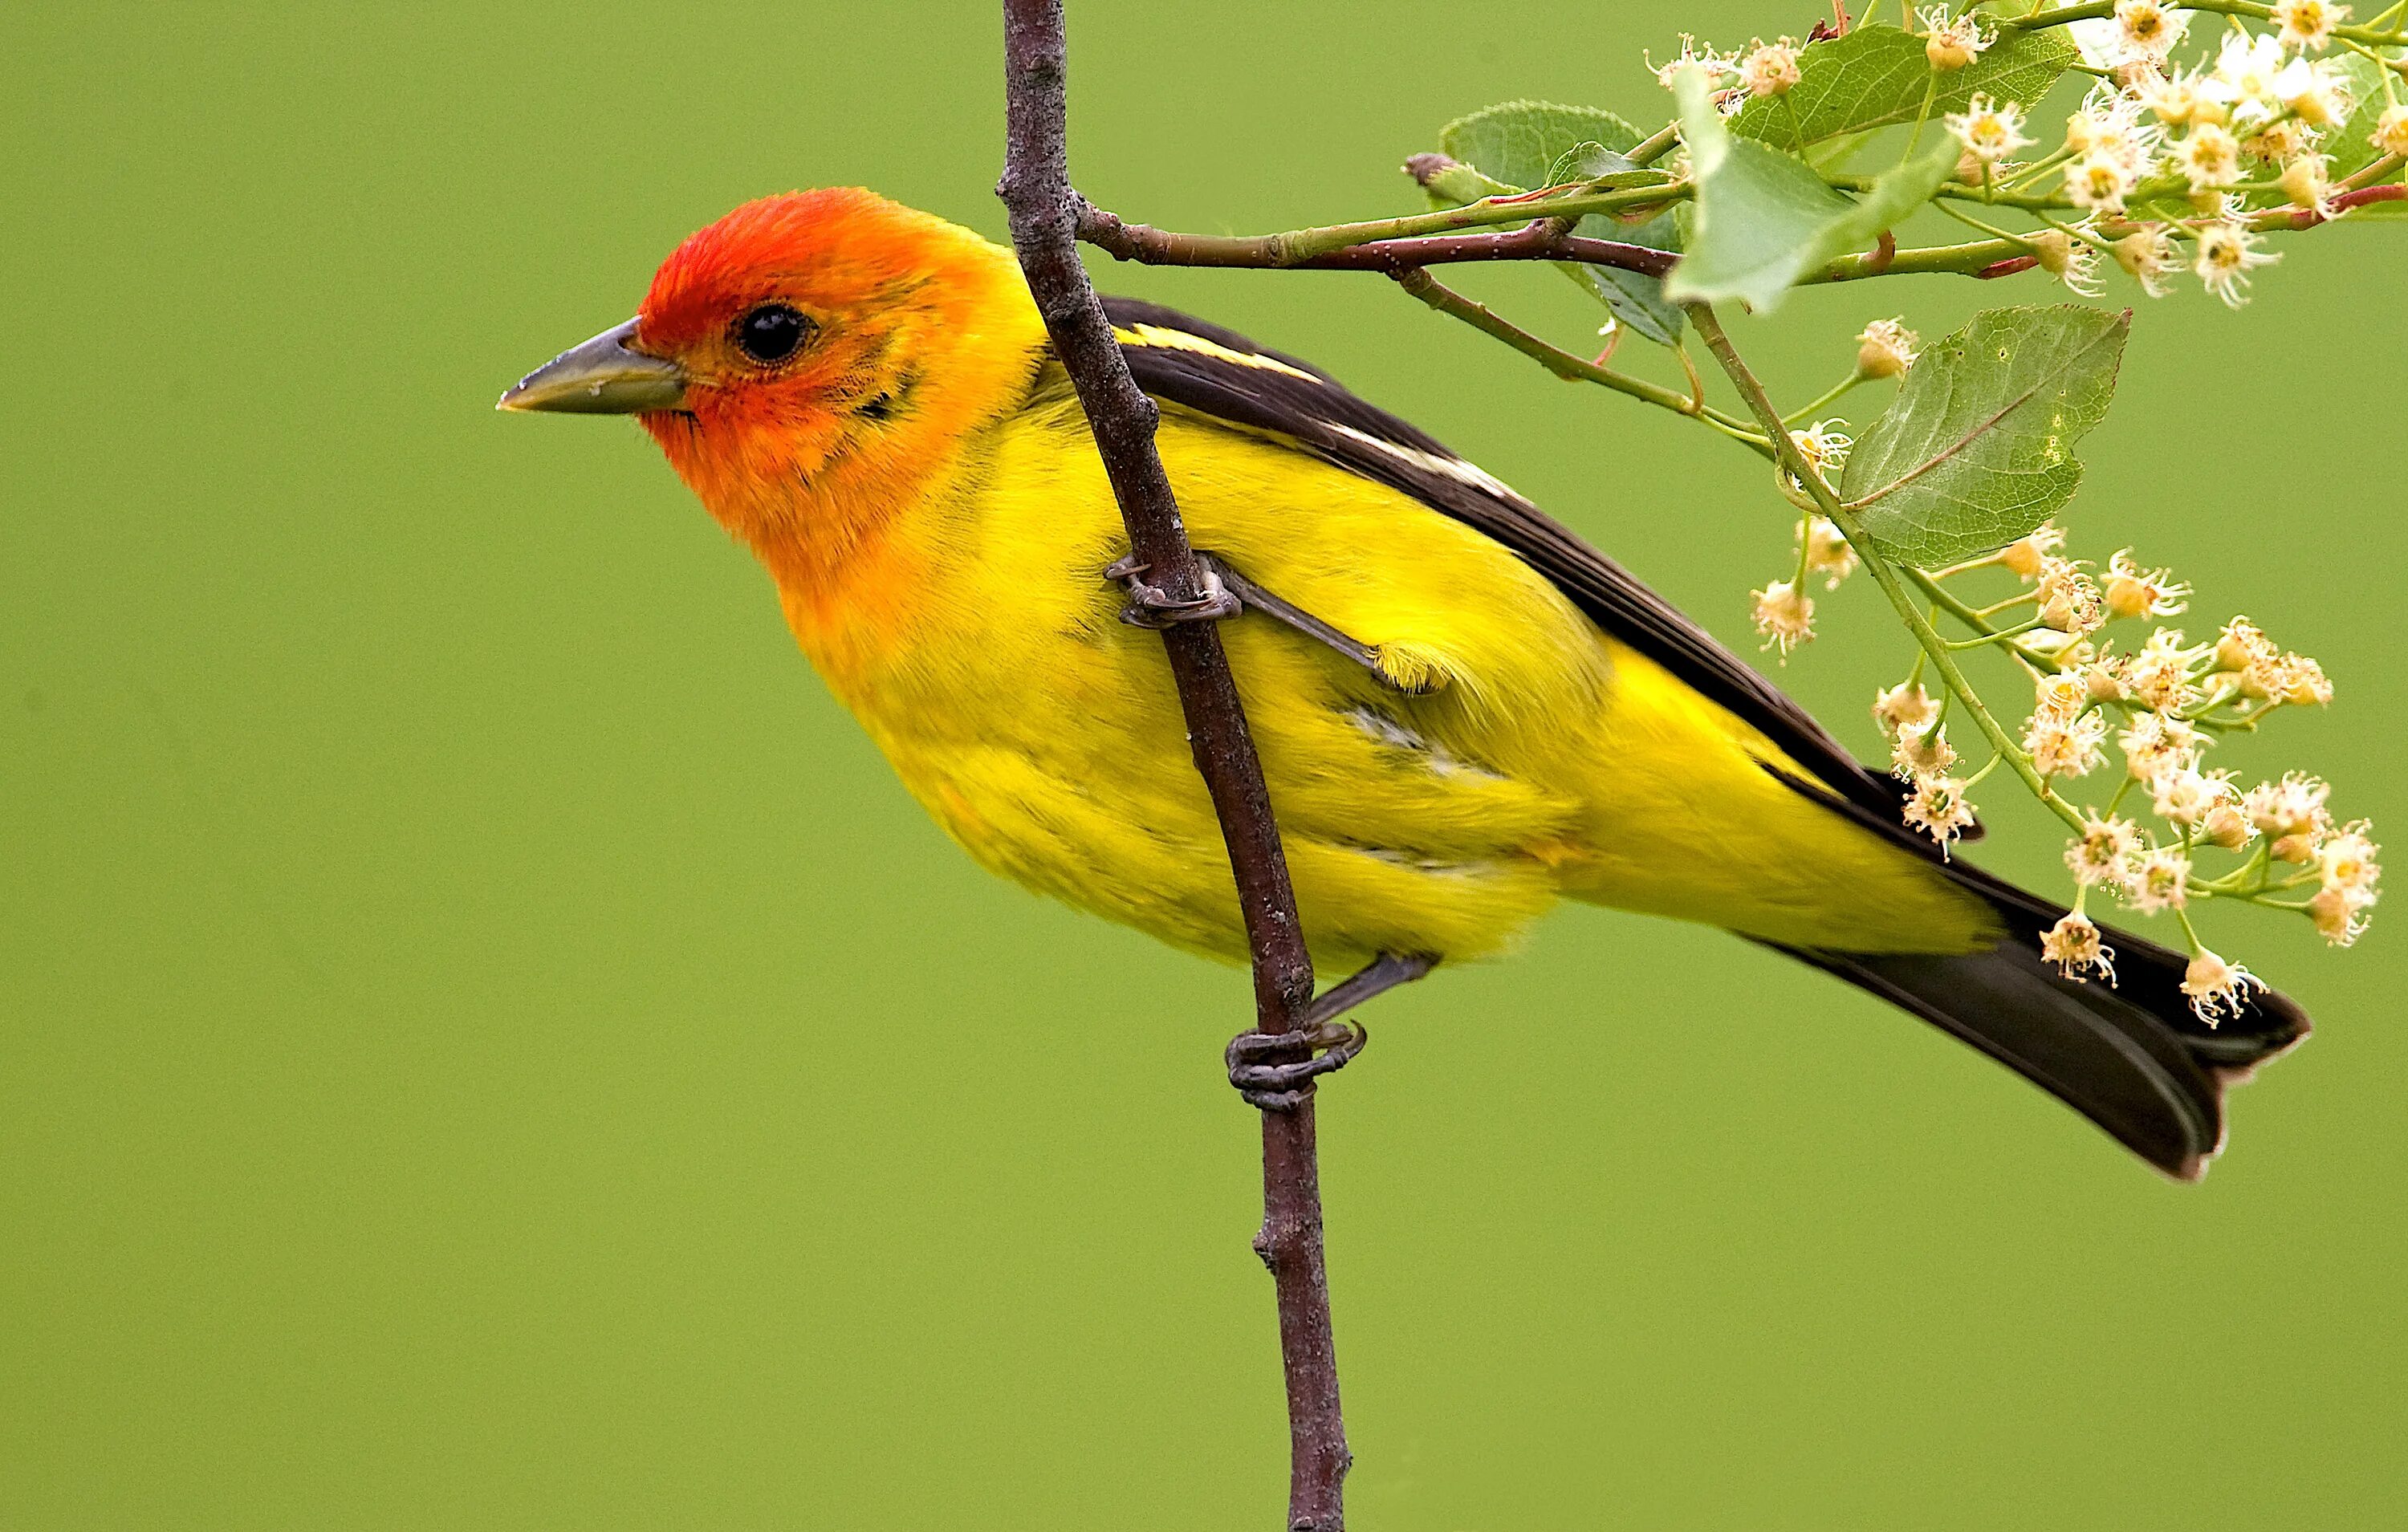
[{"x": 1221, "y": 374}]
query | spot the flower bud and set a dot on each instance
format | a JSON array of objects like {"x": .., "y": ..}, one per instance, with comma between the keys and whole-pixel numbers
[
  {"x": 1952, "y": 47},
  {"x": 2126, "y": 595},
  {"x": 2216, "y": 988},
  {"x": 2299, "y": 848},
  {"x": 2339, "y": 917},
  {"x": 2025, "y": 554},
  {"x": 2053, "y": 251},
  {"x": 1771, "y": 68},
  {"x": 2240, "y": 645},
  {"x": 2226, "y": 827},
  {"x": 2304, "y": 181},
  {"x": 1885, "y": 349},
  {"x": 2390, "y": 134}
]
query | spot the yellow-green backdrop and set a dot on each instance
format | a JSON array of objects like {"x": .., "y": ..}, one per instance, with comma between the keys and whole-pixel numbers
[{"x": 485, "y": 1044}]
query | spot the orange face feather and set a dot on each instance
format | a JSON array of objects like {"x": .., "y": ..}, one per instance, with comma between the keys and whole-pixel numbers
[{"x": 913, "y": 332}]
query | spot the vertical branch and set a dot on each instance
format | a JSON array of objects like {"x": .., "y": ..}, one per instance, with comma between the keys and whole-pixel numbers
[{"x": 1044, "y": 211}]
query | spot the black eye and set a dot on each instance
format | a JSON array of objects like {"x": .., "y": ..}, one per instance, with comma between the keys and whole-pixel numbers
[{"x": 771, "y": 332}]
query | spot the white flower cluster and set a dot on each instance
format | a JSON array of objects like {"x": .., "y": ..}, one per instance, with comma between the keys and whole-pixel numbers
[
  {"x": 1782, "y": 612},
  {"x": 2254, "y": 121},
  {"x": 2160, "y": 704}
]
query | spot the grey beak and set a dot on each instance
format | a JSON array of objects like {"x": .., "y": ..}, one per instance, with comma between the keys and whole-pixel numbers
[{"x": 603, "y": 376}]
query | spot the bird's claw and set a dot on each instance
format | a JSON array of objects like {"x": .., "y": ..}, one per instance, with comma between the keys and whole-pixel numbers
[
  {"x": 1275, "y": 1070},
  {"x": 1149, "y": 607}
]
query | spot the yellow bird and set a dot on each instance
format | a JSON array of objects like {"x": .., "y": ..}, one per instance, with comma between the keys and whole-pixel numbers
[{"x": 1464, "y": 713}]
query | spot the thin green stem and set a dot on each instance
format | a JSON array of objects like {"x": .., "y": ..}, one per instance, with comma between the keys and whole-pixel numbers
[
  {"x": 1828, "y": 395},
  {"x": 1564, "y": 365},
  {"x": 1303, "y": 244},
  {"x": 1972, "y": 618},
  {"x": 1654, "y": 146},
  {"x": 1997, "y": 636},
  {"x": 1886, "y": 575}
]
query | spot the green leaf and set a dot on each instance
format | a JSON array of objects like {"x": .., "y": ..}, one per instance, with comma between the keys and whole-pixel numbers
[
  {"x": 1585, "y": 160},
  {"x": 1765, "y": 218},
  {"x": 2351, "y": 146},
  {"x": 1874, "y": 75},
  {"x": 1518, "y": 142},
  {"x": 1977, "y": 447},
  {"x": 1523, "y": 145}
]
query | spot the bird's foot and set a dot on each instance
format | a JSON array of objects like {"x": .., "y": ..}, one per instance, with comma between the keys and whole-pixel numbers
[
  {"x": 1276, "y": 1070},
  {"x": 1150, "y": 606},
  {"x": 1226, "y": 593}
]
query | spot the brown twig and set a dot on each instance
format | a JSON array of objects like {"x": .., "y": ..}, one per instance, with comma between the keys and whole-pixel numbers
[{"x": 1045, "y": 214}]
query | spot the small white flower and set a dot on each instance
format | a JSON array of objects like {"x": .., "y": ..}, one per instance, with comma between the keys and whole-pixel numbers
[
  {"x": 2241, "y": 644},
  {"x": 2245, "y": 68},
  {"x": 2217, "y": 989},
  {"x": 1784, "y": 615},
  {"x": 2308, "y": 183},
  {"x": 2147, "y": 255},
  {"x": 2068, "y": 599},
  {"x": 2278, "y": 143},
  {"x": 2347, "y": 861},
  {"x": 2226, "y": 827},
  {"x": 1826, "y": 551},
  {"x": 1951, "y": 45},
  {"x": 2097, "y": 183},
  {"x": 2227, "y": 253},
  {"x": 2160, "y": 674},
  {"x": 2155, "y": 744},
  {"x": 2146, "y": 29},
  {"x": 2306, "y": 24},
  {"x": 2061, "y": 695},
  {"x": 2294, "y": 807},
  {"x": 2161, "y": 880},
  {"x": 1824, "y": 448},
  {"x": 2134, "y": 591},
  {"x": 1694, "y": 54},
  {"x": 2070, "y": 261},
  {"x": 2104, "y": 852},
  {"x": 2303, "y": 682},
  {"x": 2209, "y": 156},
  {"x": 1885, "y": 349},
  {"x": 1823, "y": 445},
  {"x": 2065, "y": 747},
  {"x": 2173, "y": 99},
  {"x": 2187, "y": 796},
  {"x": 1918, "y": 753},
  {"x": 2073, "y": 945},
  {"x": 1770, "y": 68},
  {"x": 2390, "y": 134},
  {"x": 2102, "y": 680},
  {"x": 1937, "y": 806},
  {"x": 2339, "y": 915},
  {"x": 1904, "y": 707},
  {"x": 1990, "y": 131},
  {"x": 2312, "y": 92},
  {"x": 2027, "y": 553}
]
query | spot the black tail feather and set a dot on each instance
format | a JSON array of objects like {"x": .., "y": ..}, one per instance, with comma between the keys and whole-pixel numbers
[{"x": 2132, "y": 1057}]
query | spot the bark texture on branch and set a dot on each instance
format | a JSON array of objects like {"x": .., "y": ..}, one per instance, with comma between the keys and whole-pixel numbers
[{"x": 1046, "y": 214}]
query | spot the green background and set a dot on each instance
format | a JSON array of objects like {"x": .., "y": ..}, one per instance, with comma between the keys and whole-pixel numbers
[{"x": 484, "y": 1042}]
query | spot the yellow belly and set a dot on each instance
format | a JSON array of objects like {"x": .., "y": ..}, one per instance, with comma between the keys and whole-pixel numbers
[{"x": 1552, "y": 761}]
